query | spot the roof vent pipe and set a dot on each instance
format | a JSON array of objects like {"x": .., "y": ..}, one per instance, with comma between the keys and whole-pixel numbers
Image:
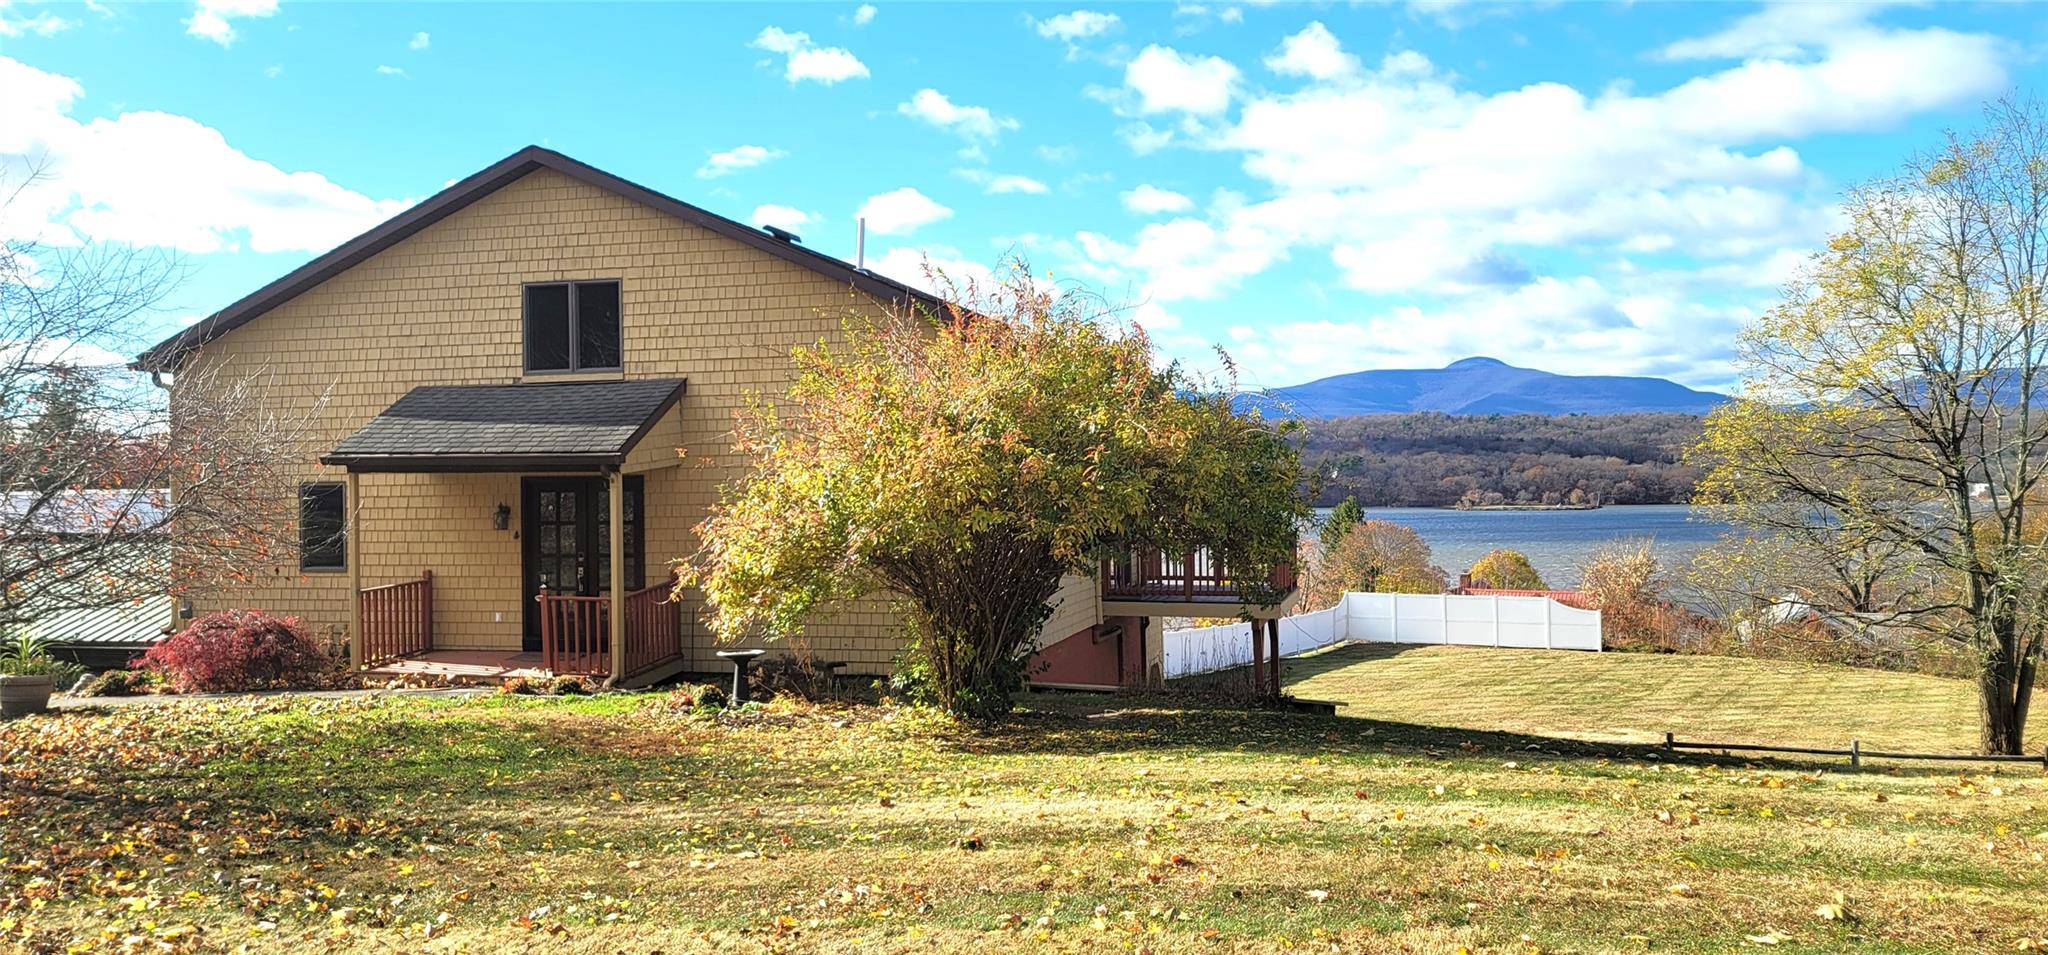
[{"x": 860, "y": 243}]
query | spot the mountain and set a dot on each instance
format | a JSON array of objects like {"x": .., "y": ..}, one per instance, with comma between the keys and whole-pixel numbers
[{"x": 1482, "y": 386}]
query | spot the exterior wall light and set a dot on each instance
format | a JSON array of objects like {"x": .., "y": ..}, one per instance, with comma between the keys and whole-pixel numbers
[{"x": 502, "y": 517}]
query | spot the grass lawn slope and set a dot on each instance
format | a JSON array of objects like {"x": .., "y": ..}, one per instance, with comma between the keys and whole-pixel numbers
[
  {"x": 1639, "y": 696},
  {"x": 1085, "y": 824}
]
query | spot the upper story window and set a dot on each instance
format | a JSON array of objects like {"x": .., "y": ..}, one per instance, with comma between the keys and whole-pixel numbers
[{"x": 572, "y": 326}]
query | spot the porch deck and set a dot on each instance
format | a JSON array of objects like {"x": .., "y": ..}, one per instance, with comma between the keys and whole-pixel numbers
[{"x": 465, "y": 666}]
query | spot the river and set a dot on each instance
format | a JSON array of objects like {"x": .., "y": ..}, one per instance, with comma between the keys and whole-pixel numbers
[{"x": 1557, "y": 542}]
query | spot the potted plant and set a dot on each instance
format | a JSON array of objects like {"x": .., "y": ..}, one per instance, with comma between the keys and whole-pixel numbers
[{"x": 27, "y": 674}]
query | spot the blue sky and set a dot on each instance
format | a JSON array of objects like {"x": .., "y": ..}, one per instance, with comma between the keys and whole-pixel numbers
[{"x": 1584, "y": 187}]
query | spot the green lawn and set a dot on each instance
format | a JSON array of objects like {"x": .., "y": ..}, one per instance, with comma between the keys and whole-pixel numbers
[
  {"x": 1639, "y": 697},
  {"x": 1101, "y": 824}
]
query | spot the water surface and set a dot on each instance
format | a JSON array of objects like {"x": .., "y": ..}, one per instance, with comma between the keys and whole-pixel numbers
[{"x": 1557, "y": 542}]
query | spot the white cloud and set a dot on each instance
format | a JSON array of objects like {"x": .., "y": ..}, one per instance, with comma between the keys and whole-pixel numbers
[
  {"x": 1167, "y": 81},
  {"x": 996, "y": 185},
  {"x": 214, "y": 19},
  {"x": 901, "y": 212},
  {"x": 158, "y": 179},
  {"x": 385, "y": 69},
  {"x": 736, "y": 159},
  {"x": 1314, "y": 53},
  {"x": 1778, "y": 31},
  {"x": 864, "y": 14},
  {"x": 420, "y": 41},
  {"x": 1058, "y": 153},
  {"x": 782, "y": 217},
  {"x": 1025, "y": 184},
  {"x": 1204, "y": 11},
  {"x": 808, "y": 61},
  {"x": 1150, "y": 200},
  {"x": 1531, "y": 215},
  {"x": 936, "y": 269},
  {"x": 971, "y": 122},
  {"x": 1076, "y": 25},
  {"x": 43, "y": 24},
  {"x": 274, "y": 70}
]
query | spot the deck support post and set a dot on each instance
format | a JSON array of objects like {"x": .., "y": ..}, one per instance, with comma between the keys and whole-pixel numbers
[
  {"x": 352, "y": 554},
  {"x": 615, "y": 486},
  {"x": 1273, "y": 654},
  {"x": 1258, "y": 659}
]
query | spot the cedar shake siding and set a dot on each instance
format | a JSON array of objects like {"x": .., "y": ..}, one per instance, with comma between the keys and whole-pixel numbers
[{"x": 442, "y": 306}]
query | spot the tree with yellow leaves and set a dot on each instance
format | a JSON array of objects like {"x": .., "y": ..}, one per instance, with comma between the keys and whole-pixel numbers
[
  {"x": 1504, "y": 569},
  {"x": 1888, "y": 407}
]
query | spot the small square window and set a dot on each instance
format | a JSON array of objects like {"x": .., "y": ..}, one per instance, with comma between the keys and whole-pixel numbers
[
  {"x": 573, "y": 326},
  {"x": 323, "y": 526}
]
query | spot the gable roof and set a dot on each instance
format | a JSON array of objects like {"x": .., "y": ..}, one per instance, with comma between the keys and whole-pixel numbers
[
  {"x": 567, "y": 425},
  {"x": 165, "y": 355}
]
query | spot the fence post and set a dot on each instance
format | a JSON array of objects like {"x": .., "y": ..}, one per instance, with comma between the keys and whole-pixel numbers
[
  {"x": 1496, "y": 621},
  {"x": 1855, "y": 752},
  {"x": 1549, "y": 621},
  {"x": 1669, "y": 742}
]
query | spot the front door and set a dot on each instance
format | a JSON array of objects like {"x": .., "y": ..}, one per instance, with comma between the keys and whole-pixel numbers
[{"x": 565, "y": 526}]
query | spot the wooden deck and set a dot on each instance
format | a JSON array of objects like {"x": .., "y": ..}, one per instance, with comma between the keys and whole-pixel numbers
[{"x": 465, "y": 666}]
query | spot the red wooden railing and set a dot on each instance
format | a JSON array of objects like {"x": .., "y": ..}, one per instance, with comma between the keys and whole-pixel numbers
[
  {"x": 398, "y": 619},
  {"x": 654, "y": 628},
  {"x": 575, "y": 634},
  {"x": 1148, "y": 574}
]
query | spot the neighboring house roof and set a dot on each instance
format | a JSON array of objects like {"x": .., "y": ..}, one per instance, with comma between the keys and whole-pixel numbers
[
  {"x": 509, "y": 427},
  {"x": 86, "y": 511},
  {"x": 165, "y": 355},
  {"x": 136, "y": 623}
]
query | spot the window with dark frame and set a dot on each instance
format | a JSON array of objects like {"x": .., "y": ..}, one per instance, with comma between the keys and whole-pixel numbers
[
  {"x": 573, "y": 326},
  {"x": 323, "y": 526}
]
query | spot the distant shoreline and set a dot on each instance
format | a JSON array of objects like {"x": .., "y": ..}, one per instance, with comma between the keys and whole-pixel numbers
[{"x": 1526, "y": 507}]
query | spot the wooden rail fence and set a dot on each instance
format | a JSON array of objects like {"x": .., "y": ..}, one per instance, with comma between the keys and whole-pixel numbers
[
  {"x": 398, "y": 619},
  {"x": 1856, "y": 753}
]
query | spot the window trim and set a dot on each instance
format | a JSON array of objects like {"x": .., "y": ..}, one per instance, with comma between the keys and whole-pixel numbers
[
  {"x": 576, "y": 366},
  {"x": 340, "y": 488}
]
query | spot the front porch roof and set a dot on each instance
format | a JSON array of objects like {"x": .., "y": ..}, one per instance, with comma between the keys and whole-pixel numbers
[{"x": 568, "y": 426}]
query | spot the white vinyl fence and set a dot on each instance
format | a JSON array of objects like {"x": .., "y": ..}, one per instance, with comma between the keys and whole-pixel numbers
[
  {"x": 1205, "y": 649},
  {"x": 1479, "y": 621}
]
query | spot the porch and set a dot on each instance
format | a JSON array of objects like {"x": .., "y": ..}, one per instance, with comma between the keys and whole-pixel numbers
[
  {"x": 396, "y": 624},
  {"x": 552, "y": 585}
]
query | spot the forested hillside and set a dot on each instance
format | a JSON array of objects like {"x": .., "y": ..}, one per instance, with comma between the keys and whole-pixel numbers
[{"x": 1439, "y": 460}]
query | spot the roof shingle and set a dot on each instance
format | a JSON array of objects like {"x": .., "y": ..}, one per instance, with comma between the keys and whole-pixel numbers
[{"x": 508, "y": 426}]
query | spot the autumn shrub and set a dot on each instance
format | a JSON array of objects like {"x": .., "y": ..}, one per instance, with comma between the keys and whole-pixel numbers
[
  {"x": 565, "y": 685},
  {"x": 794, "y": 674},
  {"x": 235, "y": 651},
  {"x": 117, "y": 683}
]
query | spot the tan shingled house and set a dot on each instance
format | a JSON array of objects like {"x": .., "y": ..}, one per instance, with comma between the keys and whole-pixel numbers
[{"x": 511, "y": 369}]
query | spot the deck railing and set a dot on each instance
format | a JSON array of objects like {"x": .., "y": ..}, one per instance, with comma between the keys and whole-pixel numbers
[
  {"x": 575, "y": 634},
  {"x": 654, "y": 628},
  {"x": 398, "y": 619},
  {"x": 1147, "y": 573}
]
